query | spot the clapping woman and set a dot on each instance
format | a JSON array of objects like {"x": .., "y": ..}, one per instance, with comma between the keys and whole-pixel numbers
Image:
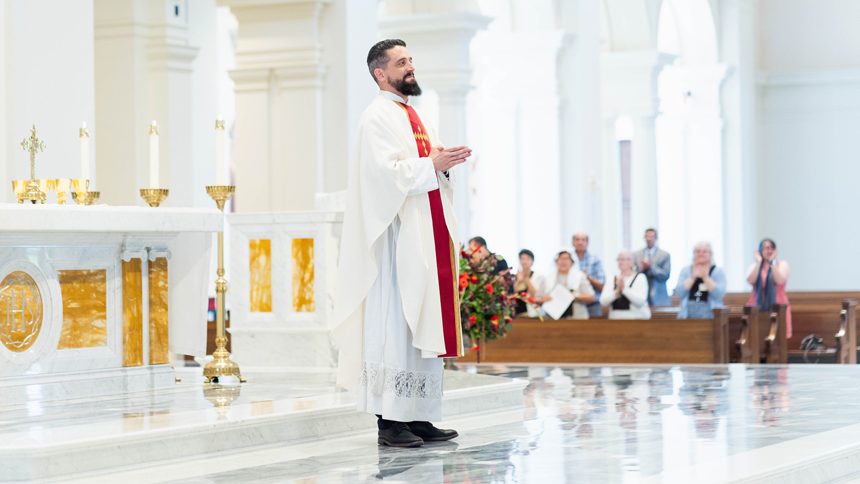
[
  {"x": 629, "y": 297},
  {"x": 768, "y": 275},
  {"x": 701, "y": 286}
]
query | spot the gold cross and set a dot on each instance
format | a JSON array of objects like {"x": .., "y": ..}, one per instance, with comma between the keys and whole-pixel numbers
[{"x": 33, "y": 145}]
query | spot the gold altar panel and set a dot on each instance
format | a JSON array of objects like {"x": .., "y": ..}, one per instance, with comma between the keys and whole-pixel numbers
[
  {"x": 158, "y": 325},
  {"x": 303, "y": 275},
  {"x": 84, "y": 308},
  {"x": 20, "y": 311},
  {"x": 132, "y": 313},
  {"x": 260, "y": 251}
]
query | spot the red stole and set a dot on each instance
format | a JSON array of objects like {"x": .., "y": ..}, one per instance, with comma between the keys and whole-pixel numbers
[{"x": 449, "y": 291}]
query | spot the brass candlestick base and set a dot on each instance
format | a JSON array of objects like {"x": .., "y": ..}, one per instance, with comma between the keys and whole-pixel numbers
[
  {"x": 221, "y": 365},
  {"x": 85, "y": 198},
  {"x": 154, "y": 196}
]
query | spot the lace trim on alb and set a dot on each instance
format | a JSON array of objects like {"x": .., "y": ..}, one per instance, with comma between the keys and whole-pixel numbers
[{"x": 401, "y": 383}]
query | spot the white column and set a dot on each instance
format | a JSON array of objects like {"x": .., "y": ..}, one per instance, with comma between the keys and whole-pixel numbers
[
  {"x": 278, "y": 147},
  {"x": 579, "y": 90},
  {"x": 439, "y": 43},
  {"x": 143, "y": 65},
  {"x": 629, "y": 86},
  {"x": 605, "y": 232},
  {"x": 737, "y": 50},
  {"x": 643, "y": 178}
]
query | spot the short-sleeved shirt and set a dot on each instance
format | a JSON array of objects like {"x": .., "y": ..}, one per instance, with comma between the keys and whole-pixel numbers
[{"x": 591, "y": 264}]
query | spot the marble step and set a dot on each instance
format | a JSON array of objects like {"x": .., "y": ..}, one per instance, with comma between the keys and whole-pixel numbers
[{"x": 191, "y": 420}]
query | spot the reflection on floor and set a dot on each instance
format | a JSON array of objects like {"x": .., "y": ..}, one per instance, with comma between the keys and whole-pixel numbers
[{"x": 595, "y": 425}]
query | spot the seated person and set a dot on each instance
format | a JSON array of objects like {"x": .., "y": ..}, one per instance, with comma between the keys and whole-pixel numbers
[
  {"x": 527, "y": 281},
  {"x": 701, "y": 286},
  {"x": 479, "y": 251},
  {"x": 568, "y": 275},
  {"x": 628, "y": 298}
]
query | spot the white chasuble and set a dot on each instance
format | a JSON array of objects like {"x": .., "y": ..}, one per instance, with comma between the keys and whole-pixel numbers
[{"x": 387, "y": 315}]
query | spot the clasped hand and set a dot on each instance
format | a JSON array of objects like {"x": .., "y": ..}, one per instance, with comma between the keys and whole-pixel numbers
[{"x": 446, "y": 158}]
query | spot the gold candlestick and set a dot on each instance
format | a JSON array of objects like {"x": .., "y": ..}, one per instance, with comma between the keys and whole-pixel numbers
[
  {"x": 221, "y": 365},
  {"x": 32, "y": 192},
  {"x": 62, "y": 186},
  {"x": 154, "y": 196}
]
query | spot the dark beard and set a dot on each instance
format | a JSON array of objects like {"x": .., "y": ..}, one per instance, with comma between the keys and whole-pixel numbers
[{"x": 407, "y": 88}]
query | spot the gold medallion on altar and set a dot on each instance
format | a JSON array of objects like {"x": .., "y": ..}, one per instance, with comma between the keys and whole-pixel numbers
[{"x": 20, "y": 311}]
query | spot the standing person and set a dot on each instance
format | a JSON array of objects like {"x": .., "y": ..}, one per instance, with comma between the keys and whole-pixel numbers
[
  {"x": 592, "y": 267},
  {"x": 629, "y": 297},
  {"x": 396, "y": 314},
  {"x": 656, "y": 264},
  {"x": 527, "y": 281},
  {"x": 478, "y": 249},
  {"x": 768, "y": 277},
  {"x": 701, "y": 286},
  {"x": 570, "y": 276}
]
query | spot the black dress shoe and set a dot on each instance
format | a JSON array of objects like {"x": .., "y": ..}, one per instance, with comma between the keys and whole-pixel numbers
[
  {"x": 399, "y": 435},
  {"x": 429, "y": 433}
]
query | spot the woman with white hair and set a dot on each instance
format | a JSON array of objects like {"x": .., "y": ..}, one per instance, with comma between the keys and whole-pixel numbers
[
  {"x": 701, "y": 286},
  {"x": 629, "y": 299}
]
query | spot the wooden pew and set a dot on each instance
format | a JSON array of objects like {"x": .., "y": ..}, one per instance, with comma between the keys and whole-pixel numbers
[
  {"x": 653, "y": 341},
  {"x": 761, "y": 336},
  {"x": 846, "y": 337}
]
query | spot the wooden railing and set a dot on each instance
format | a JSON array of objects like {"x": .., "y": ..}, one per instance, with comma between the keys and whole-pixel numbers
[{"x": 611, "y": 341}]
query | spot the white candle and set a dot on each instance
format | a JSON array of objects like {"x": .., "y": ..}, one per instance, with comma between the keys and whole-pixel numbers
[
  {"x": 219, "y": 152},
  {"x": 153, "y": 155},
  {"x": 85, "y": 152}
]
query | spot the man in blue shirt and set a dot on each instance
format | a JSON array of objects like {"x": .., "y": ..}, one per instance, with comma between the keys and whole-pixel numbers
[{"x": 592, "y": 267}]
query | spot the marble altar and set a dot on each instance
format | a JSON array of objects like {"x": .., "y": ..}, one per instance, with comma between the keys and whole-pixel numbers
[
  {"x": 282, "y": 272},
  {"x": 85, "y": 302}
]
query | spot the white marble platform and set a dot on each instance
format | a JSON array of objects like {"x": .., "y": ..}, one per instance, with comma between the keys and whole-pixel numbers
[
  {"x": 103, "y": 218},
  {"x": 83, "y": 385},
  {"x": 44, "y": 440}
]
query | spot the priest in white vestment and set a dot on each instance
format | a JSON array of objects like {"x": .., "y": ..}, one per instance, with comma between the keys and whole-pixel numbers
[{"x": 397, "y": 310}]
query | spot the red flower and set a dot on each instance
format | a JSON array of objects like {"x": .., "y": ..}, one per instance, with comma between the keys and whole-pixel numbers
[
  {"x": 490, "y": 289},
  {"x": 463, "y": 284},
  {"x": 508, "y": 320},
  {"x": 532, "y": 300},
  {"x": 474, "y": 279},
  {"x": 473, "y": 320},
  {"x": 495, "y": 318},
  {"x": 473, "y": 348},
  {"x": 495, "y": 326}
]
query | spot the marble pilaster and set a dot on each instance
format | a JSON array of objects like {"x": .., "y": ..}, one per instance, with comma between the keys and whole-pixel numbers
[{"x": 302, "y": 265}]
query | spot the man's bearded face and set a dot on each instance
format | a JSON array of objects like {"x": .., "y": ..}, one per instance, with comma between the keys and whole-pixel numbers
[{"x": 407, "y": 85}]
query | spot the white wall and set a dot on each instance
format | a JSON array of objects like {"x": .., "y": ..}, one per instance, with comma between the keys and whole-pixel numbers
[
  {"x": 48, "y": 79},
  {"x": 808, "y": 172},
  {"x": 808, "y": 164}
]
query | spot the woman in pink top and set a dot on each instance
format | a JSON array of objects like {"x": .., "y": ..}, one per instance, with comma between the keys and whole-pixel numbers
[{"x": 768, "y": 277}]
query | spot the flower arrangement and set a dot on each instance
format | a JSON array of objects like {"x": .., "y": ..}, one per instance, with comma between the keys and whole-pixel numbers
[{"x": 486, "y": 305}]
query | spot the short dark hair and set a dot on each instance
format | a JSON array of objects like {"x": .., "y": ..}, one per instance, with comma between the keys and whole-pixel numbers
[
  {"x": 652, "y": 230},
  {"x": 563, "y": 252},
  {"x": 378, "y": 57},
  {"x": 528, "y": 253},
  {"x": 479, "y": 241}
]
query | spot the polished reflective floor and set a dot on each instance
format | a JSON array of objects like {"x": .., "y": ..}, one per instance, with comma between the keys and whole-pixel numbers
[{"x": 594, "y": 425}]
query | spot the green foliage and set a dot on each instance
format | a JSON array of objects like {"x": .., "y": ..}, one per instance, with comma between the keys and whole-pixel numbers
[{"x": 486, "y": 305}]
